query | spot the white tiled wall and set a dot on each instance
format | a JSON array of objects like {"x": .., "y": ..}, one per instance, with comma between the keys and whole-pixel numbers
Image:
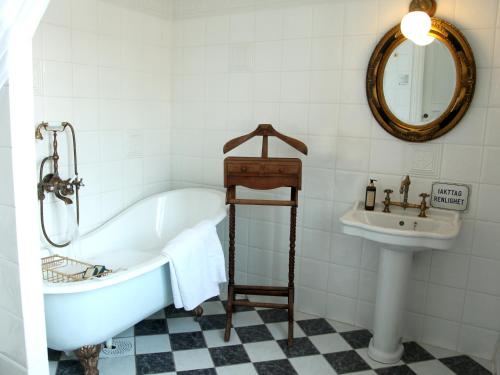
[
  {"x": 104, "y": 66},
  {"x": 300, "y": 65}
]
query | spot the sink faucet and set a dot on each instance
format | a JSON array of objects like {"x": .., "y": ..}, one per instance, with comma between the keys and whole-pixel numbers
[{"x": 404, "y": 189}]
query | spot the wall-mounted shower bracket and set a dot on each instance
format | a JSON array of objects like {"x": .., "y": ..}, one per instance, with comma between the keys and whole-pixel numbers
[{"x": 52, "y": 182}]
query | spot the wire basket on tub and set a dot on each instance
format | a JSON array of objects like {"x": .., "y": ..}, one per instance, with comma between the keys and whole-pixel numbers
[{"x": 60, "y": 269}]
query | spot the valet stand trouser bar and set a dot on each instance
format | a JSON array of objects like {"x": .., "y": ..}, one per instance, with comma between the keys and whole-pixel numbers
[{"x": 276, "y": 291}]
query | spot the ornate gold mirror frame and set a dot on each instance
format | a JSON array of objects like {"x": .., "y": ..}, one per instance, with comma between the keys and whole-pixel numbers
[{"x": 464, "y": 90}]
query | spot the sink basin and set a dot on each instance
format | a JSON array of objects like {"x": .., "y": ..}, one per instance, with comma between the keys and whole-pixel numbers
[
  {"x": 403, "y": 228},
  {"x": 400, "y": 233}
]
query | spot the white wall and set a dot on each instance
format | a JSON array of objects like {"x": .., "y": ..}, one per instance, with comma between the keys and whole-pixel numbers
[
  {"x": 302, "y": 68},
  {"x": 104, "y": 66}
]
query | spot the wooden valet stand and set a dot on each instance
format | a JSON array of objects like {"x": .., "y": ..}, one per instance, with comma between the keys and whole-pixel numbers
[{"x": 262, "y": 173}]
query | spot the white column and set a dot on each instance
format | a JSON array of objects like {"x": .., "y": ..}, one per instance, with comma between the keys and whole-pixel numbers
[
  {"x": 25, "y": 342},
  {"x": 393, "y": 274}
]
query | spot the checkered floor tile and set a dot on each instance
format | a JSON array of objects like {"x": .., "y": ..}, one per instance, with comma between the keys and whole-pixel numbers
[{"x": 172, "y": 342}]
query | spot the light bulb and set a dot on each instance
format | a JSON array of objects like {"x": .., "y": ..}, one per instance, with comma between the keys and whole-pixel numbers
[
  {"x": 424, "y": 40},
  {"x": 416, "y": 26}
]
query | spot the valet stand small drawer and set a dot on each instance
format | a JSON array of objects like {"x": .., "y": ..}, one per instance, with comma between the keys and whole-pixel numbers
[
  {"x": 243, "y": 168},
  {"x": 280, "y": 169}
]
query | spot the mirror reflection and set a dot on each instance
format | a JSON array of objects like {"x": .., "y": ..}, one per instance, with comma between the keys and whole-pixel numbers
[{"x": 419, "y": 82}]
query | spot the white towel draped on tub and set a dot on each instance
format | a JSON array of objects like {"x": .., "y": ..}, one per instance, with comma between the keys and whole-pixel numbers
[{"x": 197, "y": 265}]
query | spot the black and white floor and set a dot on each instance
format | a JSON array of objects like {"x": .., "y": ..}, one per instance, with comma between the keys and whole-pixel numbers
[{"x": 172, "y": 342}]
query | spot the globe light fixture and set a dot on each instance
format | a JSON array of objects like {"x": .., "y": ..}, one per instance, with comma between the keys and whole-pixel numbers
[{"x": 416, "y": 24}]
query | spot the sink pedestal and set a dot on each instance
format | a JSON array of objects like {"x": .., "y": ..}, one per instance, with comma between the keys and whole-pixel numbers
[
  {"x": 393, "y": 275},
  {"x": 400, "y": 233}
]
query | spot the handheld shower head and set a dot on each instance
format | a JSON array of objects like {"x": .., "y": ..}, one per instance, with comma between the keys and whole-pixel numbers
[{"x": 38, "y": 130}]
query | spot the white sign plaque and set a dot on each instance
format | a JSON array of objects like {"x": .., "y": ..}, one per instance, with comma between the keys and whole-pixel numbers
[{"x": 450, "y": 196}]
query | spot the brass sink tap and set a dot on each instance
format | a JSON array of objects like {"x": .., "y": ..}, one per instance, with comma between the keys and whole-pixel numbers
[
  {"x": 423, "y": 205},
  {"x": 404, "y": 189},
  {"x": 387, "y": 200}
]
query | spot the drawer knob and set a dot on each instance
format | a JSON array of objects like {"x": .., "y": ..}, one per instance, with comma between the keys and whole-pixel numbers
[{"x": 243, "y": 169}]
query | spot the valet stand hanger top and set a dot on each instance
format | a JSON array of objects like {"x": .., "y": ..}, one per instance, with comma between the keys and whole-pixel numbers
[{"x": 265, "y": 130}]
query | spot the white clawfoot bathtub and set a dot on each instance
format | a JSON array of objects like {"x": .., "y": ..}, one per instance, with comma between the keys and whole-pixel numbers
[{"x": 92, "y": 311}]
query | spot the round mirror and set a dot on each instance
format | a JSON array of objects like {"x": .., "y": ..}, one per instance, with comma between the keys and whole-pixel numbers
[
  {"x": 420, "y": 93},
  {"x": 419, "y": 82}
]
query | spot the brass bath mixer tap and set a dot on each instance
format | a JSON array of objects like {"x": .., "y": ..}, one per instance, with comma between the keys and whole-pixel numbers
[
  {"x": 52, "y": 182},
  {"x": 404, "y": 189}
]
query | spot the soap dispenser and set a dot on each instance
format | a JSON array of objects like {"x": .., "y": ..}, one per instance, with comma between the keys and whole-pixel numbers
[{"x": 371, "y": 193}]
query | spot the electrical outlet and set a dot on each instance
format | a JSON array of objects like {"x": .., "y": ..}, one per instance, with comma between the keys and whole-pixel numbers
[
  {"x": 134, "y": 144},
  {"x": 241, "y": 58},
  {"x": 424, "y": 160}
]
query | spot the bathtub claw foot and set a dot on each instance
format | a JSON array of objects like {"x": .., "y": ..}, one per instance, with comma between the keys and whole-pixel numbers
[
  {"x": 198, "y": 312},
  {"x": 89, "y": 356}
]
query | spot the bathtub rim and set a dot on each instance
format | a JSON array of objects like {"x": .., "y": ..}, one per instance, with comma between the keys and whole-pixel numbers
[{"x": 143, "y": 267}]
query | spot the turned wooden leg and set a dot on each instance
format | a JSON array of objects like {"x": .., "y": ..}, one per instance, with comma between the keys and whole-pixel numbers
[
  {"x": 198, "y": 312},
  {"x": 230, "y": 291},
  {"x": 89, "y": 357},
  {"x": 229, "y": 312},
  {"x": 290, "y": 316},
  {"x": 291, "y": 270}
]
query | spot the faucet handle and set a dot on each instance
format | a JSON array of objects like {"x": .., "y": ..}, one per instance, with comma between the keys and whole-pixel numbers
[
  {"x": 423, "y": 205},
  {"x": 387, "y": 200},
  {"x": 78, "y": 182}
]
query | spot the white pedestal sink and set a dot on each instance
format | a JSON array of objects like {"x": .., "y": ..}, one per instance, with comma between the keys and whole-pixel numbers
[{"x": 399, "y": 233}]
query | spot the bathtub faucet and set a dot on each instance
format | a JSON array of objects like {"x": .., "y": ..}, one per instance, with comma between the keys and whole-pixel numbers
[{"x": 52, "y": 182}]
